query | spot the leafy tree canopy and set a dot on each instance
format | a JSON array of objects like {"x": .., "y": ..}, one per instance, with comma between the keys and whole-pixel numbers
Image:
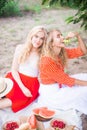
[{"x": 80, "y": 16}]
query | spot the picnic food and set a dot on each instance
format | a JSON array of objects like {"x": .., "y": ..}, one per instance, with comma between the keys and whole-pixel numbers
[
  {"x": 37, "y": 110},
  {"x": 43, "y": 113},
  {"x": 32, "y": 122},
  {"x": 24, "y": 126},
  {"x": 67, "y": 41},
  {"x": 58, "y": 124},
  {"x": 47, "y": 113},
  {"x": 11, "y": 125}
]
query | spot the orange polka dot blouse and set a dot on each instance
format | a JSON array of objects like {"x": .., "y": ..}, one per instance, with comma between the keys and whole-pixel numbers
[{"x": 50, "y": 72}]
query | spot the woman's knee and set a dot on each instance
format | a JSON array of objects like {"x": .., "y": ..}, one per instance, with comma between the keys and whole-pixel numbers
[{"x": 5, "y": 102}]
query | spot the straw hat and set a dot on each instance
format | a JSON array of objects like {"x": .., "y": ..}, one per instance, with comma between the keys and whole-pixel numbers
[{"x": 6, "y": 85}]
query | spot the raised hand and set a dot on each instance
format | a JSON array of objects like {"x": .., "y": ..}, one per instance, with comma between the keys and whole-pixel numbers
[{"x": 72, "y": 34}]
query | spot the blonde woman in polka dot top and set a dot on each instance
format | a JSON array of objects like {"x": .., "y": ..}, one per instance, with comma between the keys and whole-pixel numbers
[{"x": 59, "y": 90}]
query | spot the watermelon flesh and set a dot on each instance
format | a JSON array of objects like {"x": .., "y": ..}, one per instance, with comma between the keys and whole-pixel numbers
[
  {"x": 37, "y": 110},
  {"x": 44, "y": 112},
  {"x": 47, "y": 113},
  {"x": 32, "y": 122}
]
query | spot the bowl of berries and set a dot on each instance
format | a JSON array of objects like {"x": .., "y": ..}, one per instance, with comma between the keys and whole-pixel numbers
[
  {"x": 10, "y": 125},
  {"x": 58, "y": 124}
]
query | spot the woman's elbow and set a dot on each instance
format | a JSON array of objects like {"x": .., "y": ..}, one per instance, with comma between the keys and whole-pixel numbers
[{"x": 85, "y": 52}]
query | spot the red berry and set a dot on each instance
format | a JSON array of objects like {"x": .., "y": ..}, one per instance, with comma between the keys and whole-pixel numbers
[
  {"x": 11, "y": 126},
  {"x": 8, "y": 125},
  {"x": 58, "y": 124}
]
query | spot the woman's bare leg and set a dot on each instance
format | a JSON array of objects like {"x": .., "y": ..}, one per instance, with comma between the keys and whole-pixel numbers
[{"x": 5, "y": 102}]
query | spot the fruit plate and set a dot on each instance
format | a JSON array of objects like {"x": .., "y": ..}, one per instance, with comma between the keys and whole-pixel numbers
[
  {"x": 43, "y": 114},
  {"x": 60, "y": 124},
  {"x": 10, "y": 125},
  {"x": 40, "y": 118}
]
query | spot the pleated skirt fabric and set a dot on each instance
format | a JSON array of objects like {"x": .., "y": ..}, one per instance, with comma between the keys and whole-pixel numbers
[{"x": 19, "y": 100}]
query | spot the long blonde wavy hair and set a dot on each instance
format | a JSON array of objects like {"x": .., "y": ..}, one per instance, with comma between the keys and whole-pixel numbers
[
  {"x": 28, "y": 45},
  {"x": 49, "y": 51}
]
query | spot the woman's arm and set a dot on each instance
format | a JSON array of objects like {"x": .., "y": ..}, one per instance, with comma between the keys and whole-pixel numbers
[
  {"x": 80, "y": 82},
  {"x": 15, "y": 74},
  {"x": 50, "y": 72},
  {"x": 81, "y": 44}
]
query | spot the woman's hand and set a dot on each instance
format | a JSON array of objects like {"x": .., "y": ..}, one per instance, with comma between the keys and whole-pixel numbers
[
  {"x": 81, "y": 43},
  {"x": 26, "y": 91},
  {"x": 72, "y": 34}
]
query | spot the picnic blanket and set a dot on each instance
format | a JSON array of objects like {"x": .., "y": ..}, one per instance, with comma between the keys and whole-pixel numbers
[{"x": 71, "y": 116}]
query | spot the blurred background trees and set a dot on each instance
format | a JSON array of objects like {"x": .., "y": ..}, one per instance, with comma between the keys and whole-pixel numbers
[
  {"x": 80, "y": 5},
  {"x": 9, "y": 8},
  {"x": 12, "y": 8}
]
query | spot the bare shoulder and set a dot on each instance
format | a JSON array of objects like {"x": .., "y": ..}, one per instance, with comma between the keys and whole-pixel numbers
[
  {"x": 20, "y": 46},
  {"x": 18, "y": 49}
]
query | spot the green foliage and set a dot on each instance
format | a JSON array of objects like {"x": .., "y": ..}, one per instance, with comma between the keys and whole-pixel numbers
[
  {"x": 70, "y": 3},
  {"x": 80, "y": 16},
  {"x": 2, "y": 3},
  {"x": 36, "y": 8},
  {"x": 9, "y": 8},
  {"x": 26, "y": 8},
  {"x": 51, "y": 2}
]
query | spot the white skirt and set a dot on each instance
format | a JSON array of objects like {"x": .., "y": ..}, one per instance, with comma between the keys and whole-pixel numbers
[{"x": 64, "y": 98}]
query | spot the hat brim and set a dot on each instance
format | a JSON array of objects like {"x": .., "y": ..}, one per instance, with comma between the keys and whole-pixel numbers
[{"x": 9, "y": 83}]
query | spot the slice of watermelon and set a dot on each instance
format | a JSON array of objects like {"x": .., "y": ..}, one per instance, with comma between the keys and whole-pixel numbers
[
  {"x": 46, "y": 113},
  {"x": 32, "y": 122},
  {"x": 37, "y": 110}
]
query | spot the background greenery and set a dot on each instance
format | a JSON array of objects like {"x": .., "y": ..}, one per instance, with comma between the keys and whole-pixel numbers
[
  {"x": 80, "y": 5},
  {"x": 16, "y": 8}
]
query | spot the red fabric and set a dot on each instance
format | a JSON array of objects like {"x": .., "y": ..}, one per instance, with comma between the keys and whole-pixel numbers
[{"x": 19, "y": 100}]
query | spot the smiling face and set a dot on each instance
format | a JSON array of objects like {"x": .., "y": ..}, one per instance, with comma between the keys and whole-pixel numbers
[
  {"x": 38, "y": 39},
  {"x": 58, "y": 39}
]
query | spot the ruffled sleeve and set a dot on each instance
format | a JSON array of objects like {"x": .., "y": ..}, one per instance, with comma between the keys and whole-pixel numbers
[{"x": 74, "y": 52}]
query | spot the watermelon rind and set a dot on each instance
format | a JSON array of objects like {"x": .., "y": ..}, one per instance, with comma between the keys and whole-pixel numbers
[{"x": 40, "y": 118}]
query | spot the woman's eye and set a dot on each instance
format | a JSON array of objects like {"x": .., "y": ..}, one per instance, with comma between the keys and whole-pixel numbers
[
  {"x": 36, "y": 36},
  {"x": 42, "y": 38},
  {"x": 58, "y": 36}
]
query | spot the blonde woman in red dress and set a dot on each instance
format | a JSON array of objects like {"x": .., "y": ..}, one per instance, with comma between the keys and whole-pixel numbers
[
  {"x": 24, "y": 72},
  {"x": 58, "y": 90}
]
